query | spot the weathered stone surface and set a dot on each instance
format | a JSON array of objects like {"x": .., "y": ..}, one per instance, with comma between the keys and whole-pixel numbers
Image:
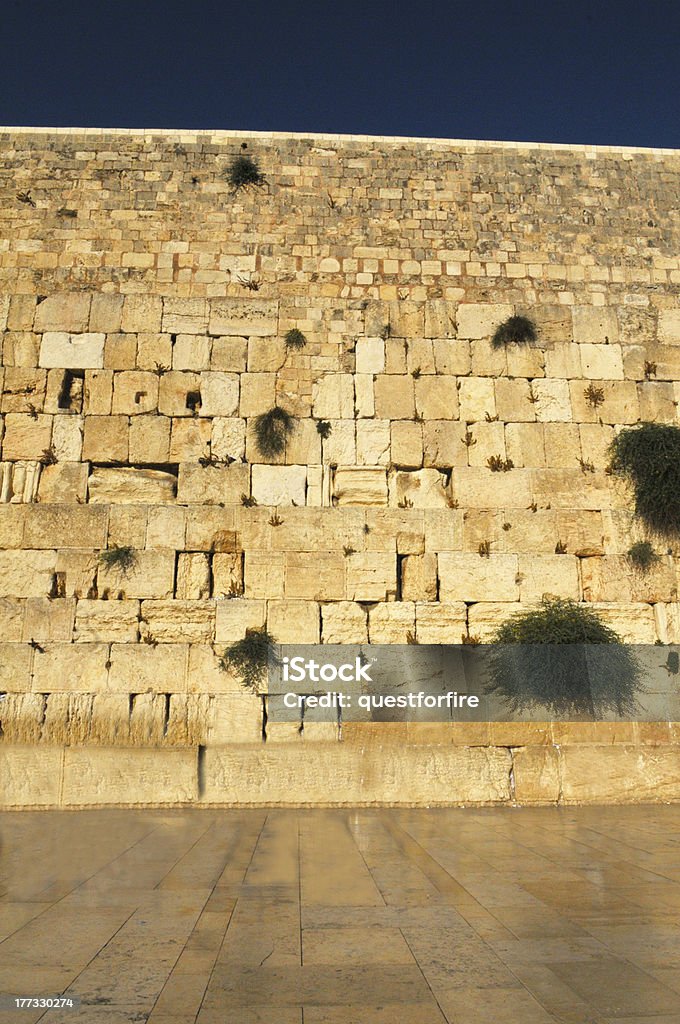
[
  {"x": 152, "y": 575},
  {"x": 594, "y": 325},
  {"x": 53, "y": 526},
  {"x": 370, "y": 355},
  {"x": 193, "y": 576},
  {"x": 72, "y": 351},
  {"x": 371, "y": 576},
  {"x": 26, "y": 573},
  {"x": 140, "y": 668},
  {"x": 392, "y": 623},
  {"x": 65, "y": 311},
  {"x": 30, "y": 776},
  {"x": 440, "y": 623},
  {"x": 419, "y": 578},
  {"x": 555, "y": 575},
  {"x": 80, "y": 668},
  {"x": 101, "y": 777},
  {"x": 344, "y": 622},
  {"x": 279, "y": 485},
  {"x": 394, "y": 397},
  {"x": 244, "y": 317},
  {"x": 236, "y": 616},
  {"x": 107, "y": 621},
  {"x": 293, "y": 622},
  {"x": 423, "y": 488},
  {"x": 107, "y": 486},
  {"x": 15, "y": 658},
  {"x": 177, "y": 621},
  {"x": 25, "y": 437},
  {"x": 360, "y": 486},
  {"x": 480, "y": 320},
  {"x": 464, "y": 577},
  {"x": 536, "y": 773},
  {"x": 625, "y": 774},
  {"x": 213, "y": 485}
]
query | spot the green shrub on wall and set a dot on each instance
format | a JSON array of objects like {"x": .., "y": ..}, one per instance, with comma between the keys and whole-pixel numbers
[
  {"x": 244, "y": 171},
  {"x": 250, "y": 657},
  {"x": 561, "y": 656},
  {"x": 272, "y": 429},
  {"x": 648, "y": 457},
  {"x": 516, "y": 330}
]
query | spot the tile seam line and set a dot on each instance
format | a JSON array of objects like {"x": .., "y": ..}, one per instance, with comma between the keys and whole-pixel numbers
[{"x": 226, "y": 134}]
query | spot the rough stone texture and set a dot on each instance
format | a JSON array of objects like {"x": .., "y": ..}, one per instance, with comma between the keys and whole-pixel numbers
[{"x": 130, "y": 379}]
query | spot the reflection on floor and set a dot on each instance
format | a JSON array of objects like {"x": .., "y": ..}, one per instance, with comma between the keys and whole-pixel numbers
[{"x": 520, "y": 916}]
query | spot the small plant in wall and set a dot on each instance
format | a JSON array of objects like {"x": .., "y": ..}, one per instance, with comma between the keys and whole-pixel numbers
[
  {"x": 562, "y": 657},
  {"x": 516, "y": 330},
  {"x": 642, "y": 556},
  {"x": 648, "y": 457},
  {"x": 250, "y": 657},
  {"x": 123, "y": 559},
  {"x": 295, "y": 339},
  {"x": 324, "y": 429},
  {"x": 497, "y": 464},
  {"x": 272, "y": 430},
  {"x": 594, "y": 396},
  {"x": 244, "y": 171}
]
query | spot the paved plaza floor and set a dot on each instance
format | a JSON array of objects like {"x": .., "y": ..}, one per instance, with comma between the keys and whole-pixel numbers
[{"x": 523, "y": 916}]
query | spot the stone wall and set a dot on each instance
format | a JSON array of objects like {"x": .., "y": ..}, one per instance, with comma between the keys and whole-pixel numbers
[{"x": 144, "y": 307}]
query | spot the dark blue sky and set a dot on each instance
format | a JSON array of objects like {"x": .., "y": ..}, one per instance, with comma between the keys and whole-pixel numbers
[{"x": 554, "y": 71}]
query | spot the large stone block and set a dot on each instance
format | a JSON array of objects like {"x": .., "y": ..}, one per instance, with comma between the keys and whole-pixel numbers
[
  {"x": 594, "y": 325},
  {"x": 177, "y": 621},
  {"x": 182, "y": 315},
  {"x": 370, "y": 355},
  {"x": 64, "y": 311},
  {"x": 477, "y": 399},
  {"x": 419, "y": 577},
  {"x": 669, "y": 326},
  {"x": 407, "y": 442},
  {"x": 468, "y": 577},
  {"x": 135, "y": 392},
  {"x": 26, "y": 437},
  {"x": 142, "y": 313},
  {"x": 30, "y": 776},
  {"x": 443, "y": 444},
  {"x": 556, "y": 575},
  {"x": 219, "y": 394},
  {"x": 394, "y": 397},
  {"x": 623, "y": 774},
  {"x": 53, "y": 526},
  {"x": 244, "y": 317},
  {"x": 71, "y": 668},
  {"x": 437, "y": 398},
  {"x": 333, "y": 397},
  {"x": 371, "y": 576},
  {"x": 141, "y": 668},
  {"x": 477, "y": 487},
  {"x": 15, "y": 658},
  {"x": 373, "y": 442},
  {"x": 49, "y": 620},
  {"x": 213, "y": 485},
  {"x": 72, "y": 351},
  {"x": 423, "y": 488},
  {"x": 26, "y": 573},
  {"x": 102, "y": 777},
  {"x": 536, "y": 773},
  {"x": 480, "y": 320},
  {"x": 236, "y": 616},
  {"x": 440, "y": 623},
  {"x": 279, "y": 485},
  {"x": 106, "y": 439},
  {"x": 149, "y": 486},
  {"x": 152, "y": 576},
  {"x": 193, "y": 575},
  {"x": 360, "y": 486},
  {"x": 325, "y": 583},
  {"x": 149, "y": 439},
  {"x": 344, "y": 622},
  {"x": 392, "y": 623},
  {"x": 602, "y": 362},
  {"x": 107, "y": 621},
  {"x": 293, "y": 622}
]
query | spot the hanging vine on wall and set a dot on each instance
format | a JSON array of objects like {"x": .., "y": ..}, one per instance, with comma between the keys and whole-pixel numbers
[
  {"x": 516, "y": 330},
  {"x": 250, "y": 657},
  {"x": 648, "y": 457},
  {"x": 272, "y": 430}
]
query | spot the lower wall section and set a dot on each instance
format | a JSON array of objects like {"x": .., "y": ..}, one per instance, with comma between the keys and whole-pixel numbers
[{"x": 332, "y": 774}]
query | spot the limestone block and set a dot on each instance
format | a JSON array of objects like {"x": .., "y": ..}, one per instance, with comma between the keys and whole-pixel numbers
[
  {"x": 24, "y": 717},
  {"x": 420, "y": 357},
  {"x": 219, "y": 394},
  {"x": 237, "y": 718},
  {"x": 20, "y": 348},
  {"x": 47, "y": 619},
  {"x": 71, "y": 668},
  {"x": 613, "y": 578},
  {"x": 30, "y": 776},
  {"x": 191, "y": 352},
  {"x": 373, "y": 442},
  {"x": 26, "y": 573},
  {"x": 370, "y": 355},
  {"x": 669, "y": 326},
  {"x": 150, "y": 486},
  {"x": 175, "y": 391},
  {"x": 65, "y": 483},
  {"x": 410, "y": 542},
  {"x": 67, "y": 438},
  {"x": 128, "y": 525},
  {"x": 562, "y": 445},
  {"x": 594, "y": 325},
  {"x": 306, "y": 529},
  {"x": 407, "y": 443},
  {"x": 139, "y": 668},
  {"x": 227, "y": 573},
  {"x": 149, "y": 439},
  {"x": 154, "y": 352},
  {"x": 11, "y": 620},
  {"x": 21, "y": 312},
  {"x": 189, "y": 439},
  {"x": 488, "y": 440},
  {"x": 228, "y": 439},
  {"x": 364, "y": 391},
  {"x": 204, "y": 674},
  {"x": 477, "y": 487},
  {"x": 264, "y": 574},
  {"x": 293, "y": 622},
  {"x": 320, "y": 579},
  {"x": 582, "y": 532},
  {"x": 356, "y": 774},
  {"x": 563, "y": 360},
  {"x": 251, "y": 317},
  {"x": 15, "y": 661},
  {"x": 266, "y": 354},
  {"x": 440, "y": 319},
  {"x": 470, "y": 577},
  {"x": 394, "y": 397},
  {"x": 105, "y": 313},
  {"x": 12, "y": 519},
  {"x": 78, "y": 569},
  {"x": 525, "y": 361},
  {"x": 658, "y": 402},
  {"x": 193, "y": 576},
  {"x": 406, "y": 319},
  {"x": 141, "y": 313},
  {"x": 135, "y": 392},
  {"x": 212, "y": 528},
  {"x": 437, "y": 398},
  {"x": 552, "y": 400},
  {"x": 153, "y": 575},
  {"x": 4, "y": 311},
  {"x": 237, "y": 616},
  {"x": 360, "y": 486},
  {"x": 340, "y": 447},
  {"x": 105, "y": 439},
  {"x": 485, "y": 617},
  {"x": 570, "y": 489},
  {"x": 107, "y": 621},
  {"x": 514, "y": 400},
  {"x": 443, "y": 443},
  {"x": 97, "y": 776},
  {"x": 65, "y": 311},
  {"x": 422, "y": 488},
  {"x": 620, "y": 403},
  {"x": 333, "y": 396},
  {"x": 229, "y": 354},
  {"x": 392, "y": 623},
  {"x": 181, "y": 315},
  {"x": 634, "y": 623},
  {"x": 625, "y": 774},
  {"x": 395, "y": 355},
  {"x": 525, "y": 444},
  {"x": 452, "y": 356},
  {"x": 536, "y": 774},
  {"x": 477, "y": 399},
  {"x": 120, "y": 352},
  {"x": 72, "y": 351},
  {"x": 556, "y": 575},
  {"x": 440, "y": 623},
  {"x": 98, "y": 392},
  {"x": 419, "y": 577},
  {"x": 602, "y": 362},
  {"x": 279, "y": 485},
  {"x": 344, "y": 622},
  {"x": 480, "y": 320},
  {"x": 371, "y": 576},
  {"x": 257, "y": 393},
  {"x": 178, "y": 621},
  {"x": 19, "y": 481},
  {"x": 25, "y": 437},
  {"x": 213, "y": 485}
]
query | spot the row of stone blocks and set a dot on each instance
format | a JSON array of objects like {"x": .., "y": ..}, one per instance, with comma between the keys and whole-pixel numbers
[{"x": 341, "y": 774}]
